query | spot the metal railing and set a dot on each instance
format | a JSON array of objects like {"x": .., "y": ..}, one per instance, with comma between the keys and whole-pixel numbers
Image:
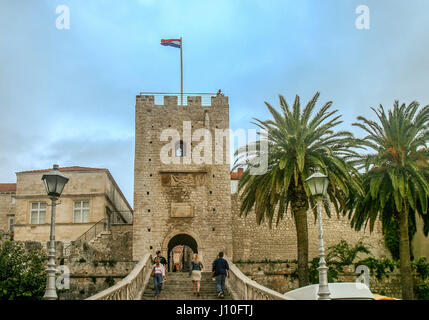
[
  {"x": 243, "y": 288},
  {"x": 90, "y": 234},
  {"x": 132, "y": 286},
  {"x": 159, "y": 97}
]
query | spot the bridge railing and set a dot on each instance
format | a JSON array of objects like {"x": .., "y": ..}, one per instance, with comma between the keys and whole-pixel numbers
[
  {"x": 132, "y": 286},
  {"x": 243, "y": 288}
]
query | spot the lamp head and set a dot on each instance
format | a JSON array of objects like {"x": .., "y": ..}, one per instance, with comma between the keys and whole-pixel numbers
[
  {"x": 317, "y": 183},
  {"x": 54, "y": 182}
]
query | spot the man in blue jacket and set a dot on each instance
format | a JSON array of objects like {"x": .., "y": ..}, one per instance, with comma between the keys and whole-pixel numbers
[{"x": 220, "y": 270}]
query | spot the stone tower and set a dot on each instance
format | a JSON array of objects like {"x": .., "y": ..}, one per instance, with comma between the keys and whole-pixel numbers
[{"x": 179, "y": 198}]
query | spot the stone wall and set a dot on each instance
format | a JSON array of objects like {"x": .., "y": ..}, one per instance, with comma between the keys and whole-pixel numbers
[
  {"x": 278, "y": 276},
  {"x": 199, "y": 193},
  {"x": 116, "y": 245},
  {"x": 420, "y": 243},
  {"x": 89, "y": 278},
  {"x": 100, "y": 263},
  {"x": 7, "y": 209},
  {"x": 258, "y": 242}
]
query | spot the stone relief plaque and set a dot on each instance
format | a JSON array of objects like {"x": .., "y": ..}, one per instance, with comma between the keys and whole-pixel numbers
[
  {"x": 181, "y": 210},
  {"x": 182, "y": 179}
]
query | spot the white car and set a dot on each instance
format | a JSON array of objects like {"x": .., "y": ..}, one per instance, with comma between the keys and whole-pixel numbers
[{"x": 338, "y": 291}]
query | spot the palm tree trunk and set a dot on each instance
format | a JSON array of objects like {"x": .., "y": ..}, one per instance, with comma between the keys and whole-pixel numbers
[
  {"x": 404, "y": 255},
  {"x": 299, "y": 209}
]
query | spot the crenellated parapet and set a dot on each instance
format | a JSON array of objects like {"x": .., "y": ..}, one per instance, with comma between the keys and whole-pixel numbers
[{"x": 174, "y": 99}]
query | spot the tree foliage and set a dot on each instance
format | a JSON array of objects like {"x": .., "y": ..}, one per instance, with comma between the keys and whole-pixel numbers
[
  {"x": 299, "y": 141},
  {"x": 396, "y": 177},
  {"x": 22, "y": 272}
]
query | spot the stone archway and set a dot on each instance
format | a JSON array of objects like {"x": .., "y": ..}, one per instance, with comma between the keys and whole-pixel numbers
[{"x": 186, "y": 238}]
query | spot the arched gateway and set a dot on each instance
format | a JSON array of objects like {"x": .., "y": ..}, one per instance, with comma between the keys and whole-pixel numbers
[
  {"x": 183, "y": 201},
  {"x": 185, "y": 242}
]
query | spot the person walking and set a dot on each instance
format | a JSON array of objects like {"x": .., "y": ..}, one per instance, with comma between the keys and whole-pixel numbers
[
  {"x": 220, "y": 270},
  {"x": 158, "y": 274},
  {"x": 162, "y": 261},
  {"x": 195, "y": 268}
]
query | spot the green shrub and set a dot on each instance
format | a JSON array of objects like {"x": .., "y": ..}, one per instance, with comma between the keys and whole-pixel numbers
[
  {"x": 421, "y": 266},
  {"x": 343, "y": 254},
  {"x": 378, "y": 266},
  {"x": 423, "y": 291},
  {"x": 22, "y": 272},
  {"x": 82, "y": 260}
]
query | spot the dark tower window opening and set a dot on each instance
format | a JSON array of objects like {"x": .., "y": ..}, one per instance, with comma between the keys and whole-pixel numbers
[{"x": 180, "y": 149}]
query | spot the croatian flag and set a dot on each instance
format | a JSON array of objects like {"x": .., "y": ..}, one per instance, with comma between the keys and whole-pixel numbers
[{"x": 177, "y": 43}]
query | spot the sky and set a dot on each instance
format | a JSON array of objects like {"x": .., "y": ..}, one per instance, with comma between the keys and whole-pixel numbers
[{"x": 67, "y": 96}]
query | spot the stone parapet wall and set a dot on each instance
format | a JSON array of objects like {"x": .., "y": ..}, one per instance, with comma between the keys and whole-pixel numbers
[
  {"x": 278, "y": 276},
  {"x": 89, "y": 278}
]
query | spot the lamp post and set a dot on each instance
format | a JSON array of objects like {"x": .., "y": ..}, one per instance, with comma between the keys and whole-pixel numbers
[
  {"x": 318, "y": 184},
  {"x": 54, "y": 184}
]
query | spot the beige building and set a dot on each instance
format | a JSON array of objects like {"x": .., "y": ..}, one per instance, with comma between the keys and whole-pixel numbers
[
  {"x": 7, "y": 206},
  {"x": 90, "y": 195}
]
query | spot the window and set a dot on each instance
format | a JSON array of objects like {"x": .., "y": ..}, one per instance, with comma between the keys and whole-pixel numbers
[
  {"x": 38, "y": 212},
  {"x": 234, "y": 186},
  {"x": 180, "y": 149},
  {"x": 81, "y": 211},
  {"x": 11, "y": 223}
]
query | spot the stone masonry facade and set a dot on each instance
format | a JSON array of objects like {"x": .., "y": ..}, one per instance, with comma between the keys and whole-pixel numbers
[
  {"x": 180, "y": 199},
  {"x": 253, "y": 242},
  {"x": 7, "y": 206}
]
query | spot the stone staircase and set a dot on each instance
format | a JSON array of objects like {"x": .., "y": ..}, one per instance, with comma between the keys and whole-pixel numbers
[{"x": 179, "y": 287}]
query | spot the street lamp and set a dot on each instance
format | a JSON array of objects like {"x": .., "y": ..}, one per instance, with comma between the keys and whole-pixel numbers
[
  {"x": 318, "y": 184},
  {"x": 54, "y": 184}
]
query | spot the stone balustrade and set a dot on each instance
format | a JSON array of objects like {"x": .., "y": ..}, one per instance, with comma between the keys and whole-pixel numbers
[
  {"x": 243, "y": 288},
  {"x": 132, "y": 286}
]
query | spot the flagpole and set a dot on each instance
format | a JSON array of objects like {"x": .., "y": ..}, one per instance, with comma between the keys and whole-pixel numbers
[{"x": 181, "y": 72}]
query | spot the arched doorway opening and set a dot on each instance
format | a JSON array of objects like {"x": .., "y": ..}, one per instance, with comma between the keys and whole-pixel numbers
[{"x": 180, "y": 250}]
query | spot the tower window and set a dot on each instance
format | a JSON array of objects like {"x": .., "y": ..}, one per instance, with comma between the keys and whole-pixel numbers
[{"x": 180, "y": 149}]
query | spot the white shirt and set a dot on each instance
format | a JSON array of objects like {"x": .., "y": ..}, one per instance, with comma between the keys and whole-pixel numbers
[{"x": 160, "y": 269}]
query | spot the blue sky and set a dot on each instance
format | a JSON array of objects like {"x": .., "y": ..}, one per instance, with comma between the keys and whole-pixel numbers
[{"x": 68, "y": 96}]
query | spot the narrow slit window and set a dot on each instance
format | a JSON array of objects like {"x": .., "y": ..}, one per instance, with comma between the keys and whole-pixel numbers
[{"x": 180, "y": 149}]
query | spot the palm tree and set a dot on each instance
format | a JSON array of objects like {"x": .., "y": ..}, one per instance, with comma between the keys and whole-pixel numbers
[
  {"x": 396, "y": 177},
  {"x": 297, "y": 144}
]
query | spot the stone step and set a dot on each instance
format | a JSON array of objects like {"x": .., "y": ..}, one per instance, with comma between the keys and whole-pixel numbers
[{"x": 179, "y": 287}]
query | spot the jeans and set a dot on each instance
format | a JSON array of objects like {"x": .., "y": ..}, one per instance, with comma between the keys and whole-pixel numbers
[
  {"x": 220, "y": 282},
  {"x": 157, "y": 282}
]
